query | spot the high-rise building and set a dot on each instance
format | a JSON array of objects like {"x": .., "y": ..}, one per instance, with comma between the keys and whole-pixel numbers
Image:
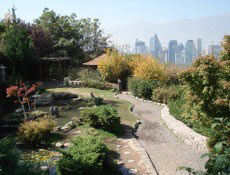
[
  {"x": 180, "y": 55},
  {"x": 172, "y": 50},
  {"x": 155, "y": 46},
  {"x": 213, "y": 50},
  {"x": 140, "y": 47},
  {"x": 199, "y": 47},
  {"x": 190, "y": 52}
]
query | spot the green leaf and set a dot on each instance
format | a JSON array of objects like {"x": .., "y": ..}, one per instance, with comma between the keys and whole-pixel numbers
[
  {"x": 214, "y": 125},
  {"x": 219, "y": 147}
]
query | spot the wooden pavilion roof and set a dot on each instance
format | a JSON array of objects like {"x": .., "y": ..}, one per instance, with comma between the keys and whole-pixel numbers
[{"x": 95, "y": 61}]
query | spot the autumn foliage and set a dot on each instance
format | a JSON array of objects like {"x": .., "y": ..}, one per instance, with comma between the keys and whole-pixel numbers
[
  {"x": 147, "y": 68},
  {"x": 22, "y": 92},
  {"x": 114, "y": 66}
]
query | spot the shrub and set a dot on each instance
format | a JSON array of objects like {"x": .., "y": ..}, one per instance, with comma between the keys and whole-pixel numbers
[
  {"x": 85, "y": 74},
  {"x": 113, "y": 67},
  {"x": 9, "y": 156},
  {"x": 97, "y": 101},
  {"x": 22, "y": 92},
  {"x": 166, "y": 94},
  {"x": 96, "y": 85},
  {"x": 203, "y": 84},
  {"x": 10, "y": 160},
  {"x": 216, "y": 164},
  {"x": 172, "y": 75},
  {"x": 34, "y": 132},
  {"x": 104, "y": 117},
  {"x": 86, "y": 156},
  {"x": 147, "y": 68},
  {"x": 142, "y": 88}
]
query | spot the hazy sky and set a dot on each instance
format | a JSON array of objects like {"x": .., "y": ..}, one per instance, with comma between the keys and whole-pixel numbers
[
  {"x": 120, "y": 12},
  {"x": 116, "y": 15}
]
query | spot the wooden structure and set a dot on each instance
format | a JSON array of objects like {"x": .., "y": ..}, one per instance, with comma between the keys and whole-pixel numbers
[
  {"x": 93, "y": 63},
  {"x": 41, "y": 69}
]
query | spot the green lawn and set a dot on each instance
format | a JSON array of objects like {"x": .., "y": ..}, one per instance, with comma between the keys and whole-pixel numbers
[{"x": 122, "y": 106}]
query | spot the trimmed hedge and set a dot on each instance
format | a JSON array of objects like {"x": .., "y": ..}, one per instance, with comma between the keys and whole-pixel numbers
[{"x": 142, "y": 88}]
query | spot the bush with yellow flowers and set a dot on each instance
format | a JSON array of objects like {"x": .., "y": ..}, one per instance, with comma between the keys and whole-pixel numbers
[
  {"x": 113, "y": 67},
  {"x": 147, "y": 68}
]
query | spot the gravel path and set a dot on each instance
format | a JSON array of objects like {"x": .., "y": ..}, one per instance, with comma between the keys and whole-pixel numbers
[{"x": 166, "y": 151}]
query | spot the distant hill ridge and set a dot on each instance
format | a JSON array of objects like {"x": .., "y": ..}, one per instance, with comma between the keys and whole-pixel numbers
[{"x": 211, "y": 29}]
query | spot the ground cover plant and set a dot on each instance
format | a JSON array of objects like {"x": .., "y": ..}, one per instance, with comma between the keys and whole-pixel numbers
[{"x": 11, "y": 162}]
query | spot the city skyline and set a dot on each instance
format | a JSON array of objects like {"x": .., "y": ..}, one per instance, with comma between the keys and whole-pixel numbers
[{"x": 176, "y": 53}]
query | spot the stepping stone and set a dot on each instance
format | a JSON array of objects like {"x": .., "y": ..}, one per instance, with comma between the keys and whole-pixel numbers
[
  {"x": 131, "y": 161},
  {"x": 127, "y": 153},
  {"x": 133, "y": 171},
  {"x": 118, "y": 146},
  {"x": 120, "y": 163},
  {"x": 126, "y": 146}
]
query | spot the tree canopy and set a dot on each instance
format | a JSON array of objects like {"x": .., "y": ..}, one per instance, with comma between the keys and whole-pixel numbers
[
  {"x": 72, "y": 37},
  {"x": 51, "y": 34}
]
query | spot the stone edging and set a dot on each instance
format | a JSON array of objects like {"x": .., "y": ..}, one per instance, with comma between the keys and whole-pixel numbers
[
  {"x": 138, "y": 148},
  {"x": 182, "y": 131}
]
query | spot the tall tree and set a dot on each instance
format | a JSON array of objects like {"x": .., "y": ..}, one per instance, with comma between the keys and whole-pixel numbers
[
  {"x": 94, "y": 42},
  {"x": 75, "y": 38},
  {"x": 17, "y": 46},
  {"x": 64, "y": 33},
  {"x": 42, "y": 41}
]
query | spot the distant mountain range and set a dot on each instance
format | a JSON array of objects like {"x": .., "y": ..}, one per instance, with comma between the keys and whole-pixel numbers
[{"x": 211, "y": 29}]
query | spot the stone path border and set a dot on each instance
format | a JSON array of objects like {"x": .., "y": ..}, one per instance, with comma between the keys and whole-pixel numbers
[
  {"x": 136, "y": 146},
  {"x": 181, "y": 130}
]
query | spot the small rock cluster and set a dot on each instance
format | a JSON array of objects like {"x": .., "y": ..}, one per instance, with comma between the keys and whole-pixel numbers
[
  {"x": 62, "y": 145},
  {"x": 66, "y": 128}
]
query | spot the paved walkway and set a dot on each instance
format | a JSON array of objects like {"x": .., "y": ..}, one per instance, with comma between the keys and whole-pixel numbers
[{"x": 166, "y": 151}]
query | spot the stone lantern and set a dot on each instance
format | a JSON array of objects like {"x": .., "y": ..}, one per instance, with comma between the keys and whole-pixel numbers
[{"x": 2, "y": 74}]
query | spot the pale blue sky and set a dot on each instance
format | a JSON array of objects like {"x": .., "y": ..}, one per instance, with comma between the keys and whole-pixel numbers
[{"x": 120, "y": 12}]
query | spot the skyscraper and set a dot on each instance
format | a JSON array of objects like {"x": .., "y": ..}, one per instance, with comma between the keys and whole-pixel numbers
[
  {"x": 155, "y": 46},
  {"x": 214, "y": 50},
  {"x": 172, "y": 50},
  {"x": 199, "y": 47},
  {"x": 190, "y": 52},
  {"x": 180, "y": 54},
  {"x": 140, "y": 47}
]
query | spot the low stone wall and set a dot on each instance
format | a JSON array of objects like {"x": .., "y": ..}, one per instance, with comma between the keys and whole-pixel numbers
[
  {"x": 67, "y": 81},
  {"x": 182, "y": 131}
]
